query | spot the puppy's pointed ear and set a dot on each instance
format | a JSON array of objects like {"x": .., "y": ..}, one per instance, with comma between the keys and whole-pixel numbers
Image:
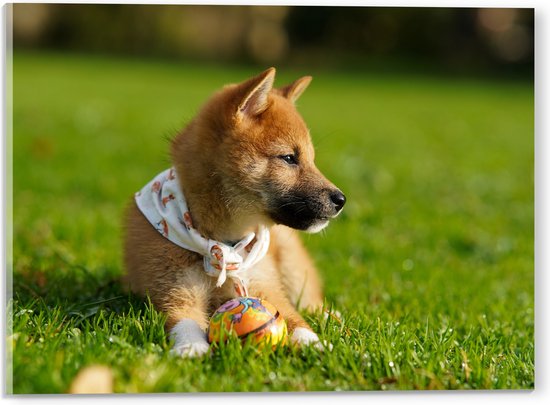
[
  {"x": 256, "y": 90},
  {"x": 295, "y": 89}
]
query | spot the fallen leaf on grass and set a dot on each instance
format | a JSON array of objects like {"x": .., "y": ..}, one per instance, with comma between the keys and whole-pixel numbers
[{"x": 93, "y": 380}]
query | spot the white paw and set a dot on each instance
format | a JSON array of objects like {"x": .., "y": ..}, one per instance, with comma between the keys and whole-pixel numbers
[
  {"x": 305, "y": 337},
  {"x": 190, "y": 350},
  {"x": 189, "y": 339}
]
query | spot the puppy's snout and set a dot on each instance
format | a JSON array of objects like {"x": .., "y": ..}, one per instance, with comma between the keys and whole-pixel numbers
[{"x": 338, "y": 200}]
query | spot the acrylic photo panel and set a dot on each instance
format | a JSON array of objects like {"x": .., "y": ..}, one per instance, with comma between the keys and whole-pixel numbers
[{"x": 422, "y": 117}]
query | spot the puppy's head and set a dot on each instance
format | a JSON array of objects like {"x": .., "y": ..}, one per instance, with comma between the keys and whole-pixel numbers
[{"x": 261, "y": 151}]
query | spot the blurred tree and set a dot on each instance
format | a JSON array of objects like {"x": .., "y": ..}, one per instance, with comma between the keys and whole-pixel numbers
[{"x": 447, "y": 38}]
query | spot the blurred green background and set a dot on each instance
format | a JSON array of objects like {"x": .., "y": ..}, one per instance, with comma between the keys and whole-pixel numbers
[
  {"x": 445, "y": 40},
  {"x": 424, "y": 117}
]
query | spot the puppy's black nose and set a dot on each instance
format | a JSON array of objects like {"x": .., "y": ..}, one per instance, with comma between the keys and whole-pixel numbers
[{"x": 338, "y": 199}]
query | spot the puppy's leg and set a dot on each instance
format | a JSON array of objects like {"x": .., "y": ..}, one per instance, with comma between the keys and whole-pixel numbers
[
  {"x": 174, "y": 280},
  {"x": 299, "y": 330},
  {"x": 267, "y": 284},
  {"x": 186, "y": 308},
  {"x": 297, "y": 271}
]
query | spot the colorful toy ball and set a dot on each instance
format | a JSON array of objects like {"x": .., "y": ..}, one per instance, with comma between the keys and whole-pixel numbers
[{"x": 248, "y": 318}]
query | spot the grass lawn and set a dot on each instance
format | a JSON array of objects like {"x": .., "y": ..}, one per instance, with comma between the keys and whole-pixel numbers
[{"x": 431, "y": 262}]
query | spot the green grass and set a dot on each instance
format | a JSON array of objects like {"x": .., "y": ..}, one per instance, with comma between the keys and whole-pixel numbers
[{"x": 431, "y": 262}]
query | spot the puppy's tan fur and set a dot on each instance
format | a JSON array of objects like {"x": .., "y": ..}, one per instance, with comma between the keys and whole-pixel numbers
[{"x": 228, "y": 160}]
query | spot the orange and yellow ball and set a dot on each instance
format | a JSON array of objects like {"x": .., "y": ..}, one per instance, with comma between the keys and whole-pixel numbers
[{"x": 248, "y": 318}]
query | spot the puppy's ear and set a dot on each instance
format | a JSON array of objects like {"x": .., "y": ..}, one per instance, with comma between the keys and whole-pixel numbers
[
  {"x": 256, "y": 90},
  {"x": 295, "y": 89}
]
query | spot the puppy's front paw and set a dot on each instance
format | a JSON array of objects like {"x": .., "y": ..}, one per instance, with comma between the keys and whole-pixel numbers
[
  {"x": 306, "y": 337},
  {"x": 303, "y": 337},
  {"x": 189, "y": 339},
  {"x": 190, "y": 350}
]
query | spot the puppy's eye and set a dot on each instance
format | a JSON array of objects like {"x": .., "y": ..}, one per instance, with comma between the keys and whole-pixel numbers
[{"x": 290, "y": 159}]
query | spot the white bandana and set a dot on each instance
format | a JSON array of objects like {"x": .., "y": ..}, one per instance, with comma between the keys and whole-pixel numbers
[{"x": 162, "y": 202}]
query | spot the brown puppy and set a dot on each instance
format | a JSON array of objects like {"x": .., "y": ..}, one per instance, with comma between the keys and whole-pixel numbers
[{"x": 244, "y": 162}]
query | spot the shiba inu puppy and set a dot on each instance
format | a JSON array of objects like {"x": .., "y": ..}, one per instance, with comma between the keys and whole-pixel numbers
[{"x": 218, "y": 223}]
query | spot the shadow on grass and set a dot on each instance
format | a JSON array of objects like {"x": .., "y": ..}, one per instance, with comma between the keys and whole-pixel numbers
[{"x": 78, "y": 293}]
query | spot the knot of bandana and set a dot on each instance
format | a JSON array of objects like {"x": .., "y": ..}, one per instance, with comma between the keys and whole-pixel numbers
[{"x": 162, "y": 202}]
